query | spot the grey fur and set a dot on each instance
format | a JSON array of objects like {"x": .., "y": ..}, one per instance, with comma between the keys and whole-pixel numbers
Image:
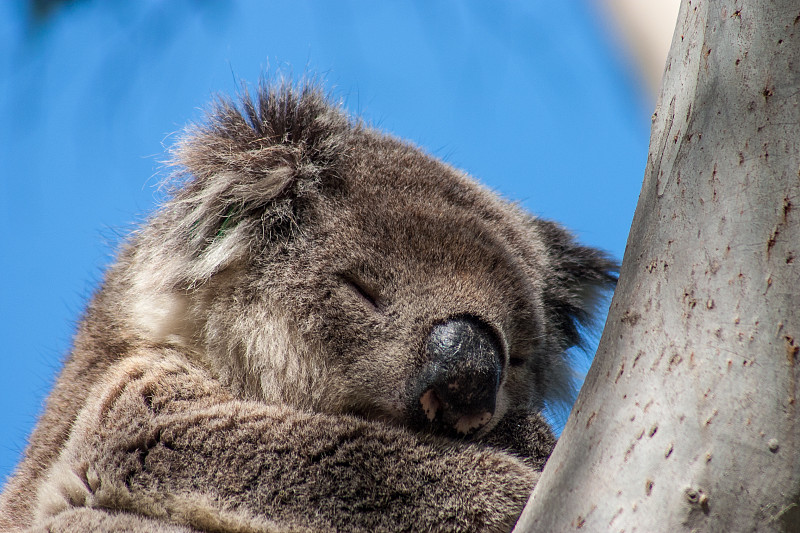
[{"x": 245, "y": 365}]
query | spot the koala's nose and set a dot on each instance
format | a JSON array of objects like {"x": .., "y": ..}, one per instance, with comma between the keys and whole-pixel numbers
[{"x": 458, "y": 386}]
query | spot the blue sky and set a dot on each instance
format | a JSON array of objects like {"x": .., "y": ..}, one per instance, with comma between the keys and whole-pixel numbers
[{"x": 528, "y": 96}]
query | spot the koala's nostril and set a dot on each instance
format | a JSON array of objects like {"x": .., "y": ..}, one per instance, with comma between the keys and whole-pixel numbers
[{"x": 457, "y": 389}]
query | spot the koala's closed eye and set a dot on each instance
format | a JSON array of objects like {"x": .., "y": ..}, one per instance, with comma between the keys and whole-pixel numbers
[
  {"x": 364, "y": 290},
  {"x": 516, "y": 361}
]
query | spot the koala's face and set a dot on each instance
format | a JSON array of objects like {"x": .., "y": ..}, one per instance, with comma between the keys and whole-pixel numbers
[
  {"x": 424, "y": 294},
  {"x": 427, "y": 316},
  {"x": 386, "y": 285}
]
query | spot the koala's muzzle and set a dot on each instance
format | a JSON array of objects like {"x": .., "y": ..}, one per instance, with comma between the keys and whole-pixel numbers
[{"x": 456, "y": 390}]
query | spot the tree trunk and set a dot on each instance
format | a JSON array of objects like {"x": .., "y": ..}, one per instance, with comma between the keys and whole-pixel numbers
[{"x": 688, "y": 417}]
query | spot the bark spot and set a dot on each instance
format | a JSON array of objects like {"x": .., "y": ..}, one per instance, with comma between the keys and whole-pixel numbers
[
  {"x": 621, "y": 371},
  {"x": 773, "y": 445},
  {"x": 791, "y": 349},
  {"x": 657, "y": 362},
  {"x": 697, "y": 498},
  {"x": 591, "y": 419},
  {"x": 648, "y": 487},
  {"x": 652, "y": 431},
  {"x": 669, "y": 451},
  {"x": 629, "y": 451},
  {"x": 689, "y": 299},
  {"x": 639, "y": 354},
  {"x": 630, "y": 317},
  {"x": 618, "y": 514},
  {"x": 773, "y": 238}
]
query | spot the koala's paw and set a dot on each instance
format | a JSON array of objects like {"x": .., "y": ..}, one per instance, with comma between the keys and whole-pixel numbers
[
  {"x": 525, "y": 435},
  {"x": 66, "y": 487}
]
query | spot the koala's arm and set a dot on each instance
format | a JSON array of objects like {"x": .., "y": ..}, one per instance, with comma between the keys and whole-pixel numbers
[{"x": 161, "y": 440}]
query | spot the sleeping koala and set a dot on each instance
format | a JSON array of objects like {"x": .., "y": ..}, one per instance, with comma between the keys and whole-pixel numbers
[{"x": 323, "y": 328}]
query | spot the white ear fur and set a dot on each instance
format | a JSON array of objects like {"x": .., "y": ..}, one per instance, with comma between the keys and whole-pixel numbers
[{"x": 224, "y": 250}]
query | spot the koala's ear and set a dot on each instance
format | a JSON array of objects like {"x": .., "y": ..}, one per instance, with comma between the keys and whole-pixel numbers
[
  {"x": 579, "y": 278},
  {"x": 241, "y": 172}
]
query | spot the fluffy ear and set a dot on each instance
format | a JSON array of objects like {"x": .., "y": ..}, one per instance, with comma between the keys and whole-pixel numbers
[
  {"x": 579, "y": 277},
  {"x": 244, "y": 169}
]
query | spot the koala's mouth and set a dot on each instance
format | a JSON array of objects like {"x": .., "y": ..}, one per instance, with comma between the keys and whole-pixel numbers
[{"x": 439, "y": 413}]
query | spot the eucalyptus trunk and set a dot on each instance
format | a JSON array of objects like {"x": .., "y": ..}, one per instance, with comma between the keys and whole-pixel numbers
[{"x": 688, "y": 418}]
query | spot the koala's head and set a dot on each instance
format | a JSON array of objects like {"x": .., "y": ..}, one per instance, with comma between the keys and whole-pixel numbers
[{"x": 305, "y": 258}]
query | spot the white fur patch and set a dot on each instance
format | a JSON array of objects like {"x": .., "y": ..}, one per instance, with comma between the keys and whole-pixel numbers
[
  {"x": 158, "y": 312},
  {"x": 161, "y": 317},
  {"x": 288, "y": 370}
]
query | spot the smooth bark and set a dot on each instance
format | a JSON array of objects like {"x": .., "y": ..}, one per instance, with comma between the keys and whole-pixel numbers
[{"x": 688, "y": 417}]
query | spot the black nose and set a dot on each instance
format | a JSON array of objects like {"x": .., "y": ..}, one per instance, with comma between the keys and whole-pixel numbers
[{"x": 457, "y": 389}]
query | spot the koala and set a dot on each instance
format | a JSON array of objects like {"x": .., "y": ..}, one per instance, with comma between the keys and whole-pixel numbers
[{"x": 322, "y": 328}]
